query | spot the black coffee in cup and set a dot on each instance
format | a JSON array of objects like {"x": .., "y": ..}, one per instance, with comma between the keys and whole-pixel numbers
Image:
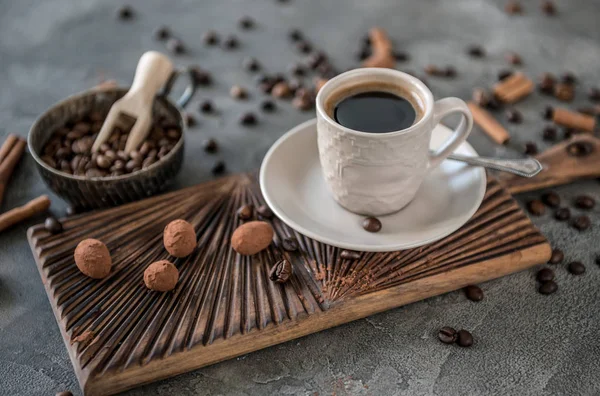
[{"x": 374, "y": 108}]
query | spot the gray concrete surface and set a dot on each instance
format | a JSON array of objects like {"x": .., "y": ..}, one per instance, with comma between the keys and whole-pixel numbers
[{"x": 526, "y": 343}]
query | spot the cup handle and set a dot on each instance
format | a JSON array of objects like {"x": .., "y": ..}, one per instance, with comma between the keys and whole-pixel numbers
[
  {"x": 441, "y": 109},
  {"x": 190, "y": 89}
]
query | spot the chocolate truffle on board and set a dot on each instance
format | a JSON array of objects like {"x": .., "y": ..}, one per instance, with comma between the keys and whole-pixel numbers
[
  {"x": 93, "y": 258},
  {"x": 161, "y": 276},
  {"x": 252, "y": 237},
  {"x": 179, "y": 238}
]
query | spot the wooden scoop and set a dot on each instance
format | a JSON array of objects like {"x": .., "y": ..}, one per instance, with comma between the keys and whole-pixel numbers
[{"x": 152, "y": 72}]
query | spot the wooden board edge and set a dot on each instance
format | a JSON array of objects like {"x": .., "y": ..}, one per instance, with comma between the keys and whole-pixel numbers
[{"x": 343, "y": 312}]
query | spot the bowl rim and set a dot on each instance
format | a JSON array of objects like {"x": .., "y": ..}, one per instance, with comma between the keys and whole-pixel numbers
[{"x": 94, "y": 91}]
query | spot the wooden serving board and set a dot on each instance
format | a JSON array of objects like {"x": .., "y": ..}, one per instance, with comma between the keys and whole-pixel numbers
[{"x": 120, "y": 335}]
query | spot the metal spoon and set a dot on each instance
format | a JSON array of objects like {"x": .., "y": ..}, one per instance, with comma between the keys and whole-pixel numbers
[{"x": 526, "y": 167}]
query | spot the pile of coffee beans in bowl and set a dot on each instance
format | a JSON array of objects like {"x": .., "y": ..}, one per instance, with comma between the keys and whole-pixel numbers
[{"x": 69, "y": 148}]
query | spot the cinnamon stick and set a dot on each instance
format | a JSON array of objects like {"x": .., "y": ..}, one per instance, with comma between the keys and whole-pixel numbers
[
  {"x": 513, "y": 88},
  {"x": 7, "y": 166},
  {"x": 488, "y": 124},
  {"x": 7, "y": 146},
  {"x": 17, "y": 215},
  {"x": 382, "y": 53},
  {"x": 573, "y": 119}
]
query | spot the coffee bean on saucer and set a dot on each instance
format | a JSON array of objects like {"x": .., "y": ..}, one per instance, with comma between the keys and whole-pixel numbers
[
  {"x": 371, "y": 224},
  {"x": 52, "y": 225},
  {"x": 303, "y": 46},
  {"x": 582, "y": 223},
  {"x": 206, "y": 106},
  {"x": 536, "y": 207},
  {"x": 557, "y": 256},
  {"x": 210, "y": 38},
  {"x": 551, "y": 199},
  {"x": 473, "y": 293},
  {"x": 476, "y": 51},
  {"x": 504, "y": 74},
  {"x": 238, "y": 92},
  {"x": 218, "y": 168},
  {"x": 549, "y": 133},
  {"x": 576, "y": 268},
  {"x": 585, "y": 202},
  {"x": 295, "y": 35},
  {"x": 290, "y": 244},
  {"x": 125, "y": 12},
  {"x": 548, "y": 7},
  {"x": 245, "y": 212},
  {"x": 246, "y": 22},
  {"x": 231, "y": 42},
  {"x": 514, "y": 116},
  {"x": 464, "y": 338},
  {"x": 162, "y": 33},
  {"x": 264, "y": 212},
  {"x": 349, "y": 255},
  {"x": 447, "y": 335},
  {"x": 513, "y": 58},
  {"x": 548, "y": 287},
  {"x": 248, "y": 119},
  {"x": 267, "y": 105},
  {"x": 530, "y": 148},
  {"x": 175, "y": 46},
  {"x": 562, "y": 214},
  {"x": 251, "y": 64},
  {"x": 545, "y": 275},
  {"x": 210, "y": 146}
]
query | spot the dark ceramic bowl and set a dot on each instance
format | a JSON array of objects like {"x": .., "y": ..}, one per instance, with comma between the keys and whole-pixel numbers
[{"x": 91, "y": 193}]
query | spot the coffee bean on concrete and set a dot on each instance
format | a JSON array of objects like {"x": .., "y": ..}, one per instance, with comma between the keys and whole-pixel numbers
[
  {"x": 536, "y": 207},
  {"x": 513, "y": 58},
  {"x": 581, "y": 223},
  {"x": 568, "y": 78},
  {"x": 251, "y": 64},
  {"x": 548, "y": 112},
  {"x": 281, "y": 90},
  {"x": 290, "y": 244},
  {"x": 546, "y": 84},
  {"x": 52, "y": 225},
  {"x": 551, "y": 199},
  {"x": 514, "y": 116},
  {"x": 210, "y": 38},
  {"x": 295, "y": 35},
  {"x": 562, "y": 214},
  {"x": 303, "y": 46},
  {"x": 585, "y": 202},
  {"x": 401, "y": 56},
  {"x": 175, "y": 46},
  {"x": 210, "y": 146},
  {"x": 248, "y": 119},
  {"x": 598, "y": 259},
  {"x": 548, "y": 287},
  {"x": 218, "y": 168},
  {"x": 550, "y": 133},
  {"x": 206, "y": 106},
  {"x": 64, "y": 393},
  {"x": 548, "y": 7},
  {"x": 503, "y": 74},
  {"x": 246, "y": 22},
  {"x": 125, "y": 12},
  {"x": 238, "y": 92},
  {"x": 530, "y": 148},
  {"x": 371, "y": 224},
  {"x": 464, "y": 338},
  {"x": 231, "y": 42},
  {"x": 267, "y": 105},
  {"x": 162, "y": 33},
  {"x": 200, "y": 76},
  {"x": 545, "y": 275},
  {"x": 576, "y": 268},
  {"x": 473, "y": 293},
  {"x": 264, "y": 212},
  {"x": 557, "y": 256},
  {"x": 447, "y": 335}
]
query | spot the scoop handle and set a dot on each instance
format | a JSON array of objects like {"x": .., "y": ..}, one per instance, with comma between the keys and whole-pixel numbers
[{"x": 152, "y": 73}]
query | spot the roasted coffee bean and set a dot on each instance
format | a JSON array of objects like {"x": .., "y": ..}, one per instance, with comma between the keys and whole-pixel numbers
[
  {"x": 548, "y": 112},
  {"x": 131, "y": 165},
  {"x": 94, "y": 172},
  {"x": 582, "y": 223},
  {"x": 580, "y": 149},
  {"x": 513, "y": 58},
  {"x": 447, "y": 335},
  {"x": 206, "y": 106},
  {"x": 231, "y": 42},
  {"x": 481, "y": 97},
  {"x": 64, "y": 393},
  {"x": 371, "y": 224},
  {"x": 147, "y": 162},
  {"x": 200, "y": 76},
  {"x": 513, "y": 7},
  {"x": 314, "y": 60},
  {"x": 281, "y": 271},
  {"x": 210, "y": 38},
  {"x": 52, "y": 225},
  {"x": 303, "y": 46},
  {"x": 295, "y": 35},
  {"x": 251, "y": 64},
  {"x": 473, "y": 293},
  {"x": 550, "y": 133},
  {"x": 585, "y": 202},
  {"x": 548, "y": 287},
  {"x": 281, "y": 90},
  {"x": 514, "y": 116},
  {"x": 594, "y": 94},
  {"x": 162, "y": 33},
  {"x": 464, "y": 339},
  {"x": 125, "y": 12},
  {"x": 476, "y": 51},
  {"x": 548, "y": 7},
  {"x": 598, "y": 260},
  {"x": 536, "y": 207},
  {"x": 246, "y": 22},
  {"x": 530, "y": 148},
  {"x": 349, "y": 255},
  {"x": 562, "y": 214},
  {"x": 401, "y": 56},
  {"x": 303, "y": 100},
  {"x": 218, "y": 168},
  {"x": 103, "y": 162},
  {"x": 65, "y": 166},
  {"x": 238, "y": 92},
  {"x": 576, "y": 268},
  {"x": 551, "y": 199},
  {"x": 210, "y": 146},
  {"x": 557, "y": 256},
  {"x": 71, "y": 210},
  {"x": 433, "y": 70},
  {"x": 173, "y": 134},
  {"x": 450, "y": 71},
  {"x": 245, "y": 212},
  {"x": 564, "y": 92},
  {"x": 546, "y": 84},
  {"x": 290, "y": 244},
  {"x": 119, "y": 165},
  {"x": 503, "y": 74},
  {"x": 568, "y": 78},
  {"x": 569, "y": 132},
  {"x": 264, "y": 212},
  {"x": 49, "y": 161},
  {"x": 190, "y": 120},
  {"x": 267, "y": 105},
  {"x": 297, "y": 69},
  {"x": 248, "y": 119},
  {"x": 62, "y": 153},
  {"x": 175, "y": 46},
  {"x": 545, "y": 275}
]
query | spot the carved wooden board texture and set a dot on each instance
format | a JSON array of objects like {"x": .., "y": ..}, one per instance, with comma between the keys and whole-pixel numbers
[{"x": 120, "y": 335}]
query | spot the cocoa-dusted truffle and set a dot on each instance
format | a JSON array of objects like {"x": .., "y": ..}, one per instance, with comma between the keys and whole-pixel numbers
[
  {"x": 179, "y": 238},
  {"x": 252, "y": 237},
  {"x": 93, "y": 258},
  {"x": 161, "y": 276}
]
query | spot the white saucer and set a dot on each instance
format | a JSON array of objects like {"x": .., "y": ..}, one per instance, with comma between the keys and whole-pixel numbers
[{"x": 292, "y": 185}]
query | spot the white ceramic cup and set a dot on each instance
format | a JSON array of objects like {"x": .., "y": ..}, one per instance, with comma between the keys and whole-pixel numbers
[{"x": 379, "y": 173}]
